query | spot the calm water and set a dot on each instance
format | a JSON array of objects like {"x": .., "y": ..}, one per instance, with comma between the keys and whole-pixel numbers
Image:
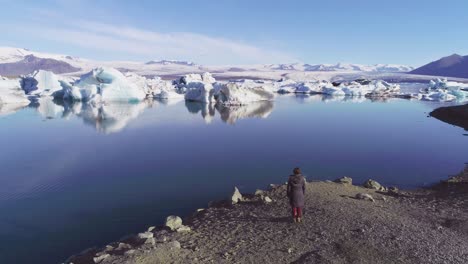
[{"x": 74, "y": 176}]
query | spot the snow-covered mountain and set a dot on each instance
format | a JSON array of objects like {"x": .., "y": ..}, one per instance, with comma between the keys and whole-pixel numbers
[
  {"x": 341, "y": 67},
  {"x": 17, "y": 61},
  {"x": 169, "y": 62}
]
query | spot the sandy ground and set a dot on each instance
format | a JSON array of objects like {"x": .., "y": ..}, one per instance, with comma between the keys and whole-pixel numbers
[{"x": 423, "y": 226}]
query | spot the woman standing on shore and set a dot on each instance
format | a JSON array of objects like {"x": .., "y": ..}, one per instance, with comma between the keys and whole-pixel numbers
[{"x": 295, "y": 192}]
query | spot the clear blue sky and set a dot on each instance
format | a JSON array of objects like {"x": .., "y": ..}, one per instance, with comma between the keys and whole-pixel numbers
[{"x": 240, "y": 31}]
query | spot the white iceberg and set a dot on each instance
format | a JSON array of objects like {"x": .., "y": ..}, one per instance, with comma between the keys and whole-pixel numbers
[
  {"x": 376, "y": 88},
  {"x": 197, "y": 87},
  {"x": 233, "y": 93},
  {"x": 443, "y": 90},
  {"x": 161, "y": 89},
  {"x": 103, "y": 85},
  {"x": 41, "y": 83},
  {"x": 11, "y": 92}
]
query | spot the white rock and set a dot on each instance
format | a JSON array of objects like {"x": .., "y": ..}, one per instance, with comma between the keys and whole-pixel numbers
[
  {"x": 173, "y": 222},
  {"x": 183, "y": 228},
  {"x": 236, "y": 196},
  {"x": 145, "y": 235},
  {"x": 151, "y": 228},
  {"x": 267, "y": 199},
  {"x": 100, "y": 258},
  {"x": 174, "y": 244},
  {"x": 259, "y": 192},
  {"x": 365, "y": 196}
]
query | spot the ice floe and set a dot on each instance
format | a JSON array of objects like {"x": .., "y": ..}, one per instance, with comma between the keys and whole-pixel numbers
[
  {"x": 197, "y": 87},
  {"x": 443, "y": 90},
  {"x": 104, "y": 85},
  {"x": 235, "y": 93},
  {"x": 41, "y": 83},
  {"x": 11, "y": 92}
]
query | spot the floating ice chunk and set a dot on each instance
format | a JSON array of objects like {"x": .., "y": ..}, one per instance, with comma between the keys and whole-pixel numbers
[
  {"x": 11, "y": 92},
  {"x": 233, "y": 93},
  {"x": 104, "y": 85},
  {"x": 197, "y": 87},
  {"x": 375, "y": 88},
  {"x": 443, "y": 90},
  {"x": 41, "y": 83},
  {"x": 311, "y": 87}
]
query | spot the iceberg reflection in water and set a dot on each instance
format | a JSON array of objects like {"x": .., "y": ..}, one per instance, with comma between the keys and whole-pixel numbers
[
  {"x": 231, "y": 114},
  {"x": 113, "y": 117}
]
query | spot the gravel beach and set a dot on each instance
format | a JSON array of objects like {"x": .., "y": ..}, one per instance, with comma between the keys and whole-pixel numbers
[{"x": 343, "y": 223}]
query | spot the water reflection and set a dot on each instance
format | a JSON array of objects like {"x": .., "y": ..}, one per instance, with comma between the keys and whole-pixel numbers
[
  {"x": 8, "y": 109},
  {"x": 207, "y": 110},
  {"x": 113, "y": 117},
  {"x": 232, "y": 114},
  {"x": 106, "y": 118}
]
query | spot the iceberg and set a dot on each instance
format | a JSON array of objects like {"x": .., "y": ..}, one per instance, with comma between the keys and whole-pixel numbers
[
  {"x": 234, "y": 93},
  {"x": 104, "y": 85},
  {"x": 41, "y": 83},
  {"x": 376, "y": 88},
  {"x": 11, "y": 92},
  {"x": 197, "y": 87},
  {"x": 443, "y": 90},
  {"x": 166, "y": 90}
]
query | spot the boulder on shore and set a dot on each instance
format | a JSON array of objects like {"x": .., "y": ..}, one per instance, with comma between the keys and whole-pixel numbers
[
  {"x": 236, "y": 196},
  {"x": 173, "y": 222},
  {"x": 365, "y": 196},
  {"x": 345, "y": 180},
  {"x": 371, "y": 184}
]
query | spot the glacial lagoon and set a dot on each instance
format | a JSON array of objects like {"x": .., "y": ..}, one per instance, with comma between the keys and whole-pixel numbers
[{"x": 75, "y": 176}]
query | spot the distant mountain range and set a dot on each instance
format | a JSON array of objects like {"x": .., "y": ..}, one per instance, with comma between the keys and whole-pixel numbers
[
  {"x": 31, "y": 63},
  {"x": 168, "y": 62},
  {"x": 341, "y": 67},
  {"x": 451, "y": 66},
  {"x": 16, "y": 61}
]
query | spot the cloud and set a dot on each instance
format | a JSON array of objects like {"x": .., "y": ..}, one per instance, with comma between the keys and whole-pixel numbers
[{"x": 128, "y": 41}]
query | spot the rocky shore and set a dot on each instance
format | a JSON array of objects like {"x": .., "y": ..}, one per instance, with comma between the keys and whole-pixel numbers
[
  {"x": 343, "y": 223},
  {"x": 454, "y": 115}
]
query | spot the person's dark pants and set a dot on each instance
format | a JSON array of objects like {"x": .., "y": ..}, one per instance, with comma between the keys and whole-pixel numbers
[{"x": 297, "y": 212}]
